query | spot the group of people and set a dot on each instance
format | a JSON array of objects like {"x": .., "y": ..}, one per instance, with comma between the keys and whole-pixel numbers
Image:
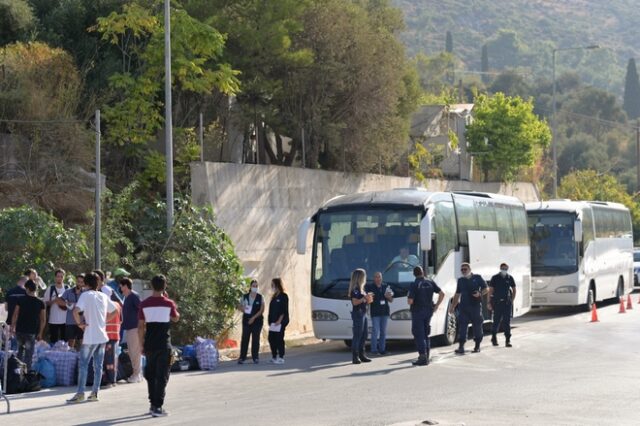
[
  {"x": 252, "y": 306},
  {"x": 93, "y": 317},
  {"x": 467, "y": 303}
]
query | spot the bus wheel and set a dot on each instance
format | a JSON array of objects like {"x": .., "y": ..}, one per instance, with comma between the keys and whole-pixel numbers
[
  {"x": 347, "y": 342},
  {"x": 591, "y": 298},
  {"x": 450, "y": 330},
  {"x": 620, "y": 289}
]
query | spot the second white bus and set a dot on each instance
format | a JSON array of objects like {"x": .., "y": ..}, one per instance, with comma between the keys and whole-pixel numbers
[{"x": 581, "y": 252}]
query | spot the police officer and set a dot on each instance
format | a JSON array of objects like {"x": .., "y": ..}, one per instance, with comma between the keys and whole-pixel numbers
[
  {"x": 469, "y": 294},
  {"x": 420, "y": 300},
  {"x": 502, "y": 292}
]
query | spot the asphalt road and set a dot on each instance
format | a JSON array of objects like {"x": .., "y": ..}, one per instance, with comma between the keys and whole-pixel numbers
[{"x": 562, "y": 370}]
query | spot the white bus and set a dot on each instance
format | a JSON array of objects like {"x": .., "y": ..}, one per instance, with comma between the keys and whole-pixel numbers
[
  {"x": 440, "y": 230},
  {"x": 581, "y": 252}
]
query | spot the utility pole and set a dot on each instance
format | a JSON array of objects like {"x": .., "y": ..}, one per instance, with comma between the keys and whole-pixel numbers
[
  {"x": 201, "y": 138},
  {"x": 168, "y": 124},
  {"x": 98, "y": 223}
]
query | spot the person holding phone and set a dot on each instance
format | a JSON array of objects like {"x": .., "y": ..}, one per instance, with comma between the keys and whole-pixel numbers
[
  {"x": 469, "y": 292},
  {"x": 359, "y": 302},
  {"x": 252, "y": 308}
]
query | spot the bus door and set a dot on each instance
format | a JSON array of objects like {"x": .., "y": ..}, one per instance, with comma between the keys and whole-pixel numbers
[{"x": 484, "y": 257}]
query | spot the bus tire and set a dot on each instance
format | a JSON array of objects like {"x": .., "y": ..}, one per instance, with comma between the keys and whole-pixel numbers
[
  {"x": 620, "y": 288},
  {"x": 591, "y": 297},
  {"x": 347, "y": 342},
  {"x": 450, "y": 334}
]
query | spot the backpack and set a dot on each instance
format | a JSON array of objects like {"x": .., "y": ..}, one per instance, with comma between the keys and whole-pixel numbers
[
  {"x": 125, "y": 367},
  {"x": 47, "y": 370},
  {"x": 16, "y": 372}
]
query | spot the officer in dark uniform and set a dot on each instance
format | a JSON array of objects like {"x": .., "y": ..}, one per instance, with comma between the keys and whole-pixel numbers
[
  {"x": 469, "y": 294},
  {"x": 420, "y": 300},
  {"x": 502, "y": 292}
]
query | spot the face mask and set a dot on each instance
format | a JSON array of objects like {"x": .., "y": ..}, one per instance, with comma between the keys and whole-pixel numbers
[
  {"x": 467, "y": 274},
  {"x": 254, "y": 289},
  {"x": 503, "y": 272}
]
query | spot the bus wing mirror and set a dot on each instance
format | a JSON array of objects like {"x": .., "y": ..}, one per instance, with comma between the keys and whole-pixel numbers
[
  {"x": 303, "y": 230},
  {"x": 577, "y": 230},
  {"x": 425, "y": 232}
]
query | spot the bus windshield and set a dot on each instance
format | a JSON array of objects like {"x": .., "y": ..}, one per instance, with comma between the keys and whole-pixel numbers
[
  {"x": 377, "y": 240},
  {"x": 553, "y": 248}
]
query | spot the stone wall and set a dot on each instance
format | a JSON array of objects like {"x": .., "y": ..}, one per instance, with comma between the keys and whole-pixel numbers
[{"x": 260, "y": 207}]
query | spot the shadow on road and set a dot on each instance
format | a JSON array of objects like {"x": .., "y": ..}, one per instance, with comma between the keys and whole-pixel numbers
[{"x": 119, "y": 420}]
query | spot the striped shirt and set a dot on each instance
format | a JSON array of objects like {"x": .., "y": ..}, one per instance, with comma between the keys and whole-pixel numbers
[{"x": 156, "y": 312}]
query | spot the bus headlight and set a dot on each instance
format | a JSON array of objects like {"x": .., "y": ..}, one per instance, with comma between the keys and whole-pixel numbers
[
  {"x": 567, "y": 289},
  {"x": 403, "y": 315},
  {"x": 323, "y": 316}
]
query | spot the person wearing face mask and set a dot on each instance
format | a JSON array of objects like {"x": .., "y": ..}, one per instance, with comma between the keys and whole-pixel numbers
[
  {"x": 252, "y": 308},
  {"x": 278, "y": 320},
  {"x": 468, "y": 295},
  {"x": 502, "y": 292}
]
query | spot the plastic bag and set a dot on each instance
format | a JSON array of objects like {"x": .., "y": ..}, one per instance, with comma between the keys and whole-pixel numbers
[
  {"x": 206, "y": 353},
  {"x": 47, "y": 370}
]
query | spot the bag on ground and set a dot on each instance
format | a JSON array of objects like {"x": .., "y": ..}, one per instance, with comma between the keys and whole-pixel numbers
[
  {"x": 16, "y": 373},
  {"x": 125, "y": 367},
  {"x": 47, "y": 370},
  {"x": 206, "y": 353}
]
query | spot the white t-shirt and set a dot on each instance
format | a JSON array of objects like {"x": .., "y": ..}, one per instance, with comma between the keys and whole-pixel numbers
[
  {"x": 95, "y": 306},
  {"x": 56, "y": 314},
  {"x": 107, "y": 290}
]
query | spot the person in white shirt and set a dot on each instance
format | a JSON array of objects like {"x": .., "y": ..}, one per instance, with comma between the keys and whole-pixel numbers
[
  {"x": 57, "y": 314},
  {"x": 97, "y": 309},
  {"x": 405, "y": 260}
]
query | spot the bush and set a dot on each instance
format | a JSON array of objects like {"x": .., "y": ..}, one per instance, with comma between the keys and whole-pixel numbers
[
  {"x": 198, "y": 258},
  {"x": 32, "y": 238}
]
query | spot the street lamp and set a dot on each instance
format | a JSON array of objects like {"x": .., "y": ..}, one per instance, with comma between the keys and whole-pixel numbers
[
  {"x": 554, "y": 141},
  {"x": 168, "y": 125}
]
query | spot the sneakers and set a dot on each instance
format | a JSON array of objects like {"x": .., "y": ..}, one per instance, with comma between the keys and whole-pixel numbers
[
  {"x": 240, "y": 361},
  {"x": 273, "y": 361},
  {"x": 134, "y": 379},
  {"x": 151, "y": 409},
  {"x": 159, "y": 412},
  {"x": 460, "y": 350},
  {"x": 93, "y": 397},
  {"x": 256, "y": 361},
  {"x": 279, "y": 360},
  {"x": 79, "y": 397},
  {"x": 108, "y": 386}
]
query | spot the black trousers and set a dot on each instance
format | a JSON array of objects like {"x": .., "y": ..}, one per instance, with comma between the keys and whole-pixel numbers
[
  {"x": 56, "y": 332},
  {"x": 502, "y": 313},
  {"x": 276, "y": 341},
  {"x": 471, "y": 315},
  {"x": 251, "y": 331},
  {"x": 157, "y": 374}
]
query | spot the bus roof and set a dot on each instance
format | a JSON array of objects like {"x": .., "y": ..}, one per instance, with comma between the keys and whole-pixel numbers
[
  {"x": 406, "y": 197},
  {"x": 571, "y": 206}
]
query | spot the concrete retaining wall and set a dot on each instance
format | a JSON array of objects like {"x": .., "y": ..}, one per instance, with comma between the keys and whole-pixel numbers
[{"x": 260, "y": 207}]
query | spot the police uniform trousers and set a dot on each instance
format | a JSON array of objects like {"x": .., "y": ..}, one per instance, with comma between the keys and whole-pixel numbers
[
  {"x": 360, "y": 330},
  {"x": 421, "y": 328},
  {"x": 471, "y": 315},
  {"x": 502, "y": 313}
]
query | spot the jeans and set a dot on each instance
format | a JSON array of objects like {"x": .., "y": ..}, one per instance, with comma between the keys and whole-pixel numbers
[
  {"x": 276, "y": 342},
  {"x": 360, "y": 330},
  {"x": 379, "y": 331},
  {"x": 135, "y": 351},
  {"x": 26, "y": 345},
  {"x": 251, "y": 331},
  {"x": 157, "y": 374},
  {"x": 86, "y": 352},
  {"x": 111, "y": 361}
]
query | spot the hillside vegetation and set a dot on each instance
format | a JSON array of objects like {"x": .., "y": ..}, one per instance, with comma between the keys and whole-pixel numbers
[{"x": 538, "y": 26}]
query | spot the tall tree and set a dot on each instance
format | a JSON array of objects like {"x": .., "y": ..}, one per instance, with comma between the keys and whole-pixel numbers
[
  {"x": 506, "y": 135},
  {"x": 16, "y": 19},
  {"x": 448, "y": 47},
  {"x": 484, "y": 64},
  {"x": 631, "y": 102}
]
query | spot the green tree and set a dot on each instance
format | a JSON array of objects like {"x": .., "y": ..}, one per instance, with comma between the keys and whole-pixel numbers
[
  {"x": 505, "y": 49},
  {"x": 449, "y": 43},
  {"x": 506, "y": 135},
  {"x": 198, "y": 258},
  {"x": 32, "y": 238},
  {"x": 591, "y": 185},
  {"x": 511, "y": 83},
  {"x": 16, "y": 20},
  {"x": 631, "y": 102}
]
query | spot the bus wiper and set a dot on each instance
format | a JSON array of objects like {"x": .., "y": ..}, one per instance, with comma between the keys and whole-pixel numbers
[{"x": 333, "y": 284}]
